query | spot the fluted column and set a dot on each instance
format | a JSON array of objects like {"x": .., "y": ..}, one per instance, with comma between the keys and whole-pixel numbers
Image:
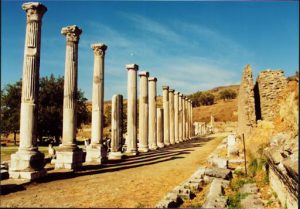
[
  {"x": 171, "y": 116},
  {"x": 143, "y": 112},
  {"x": 176, "y": 116},
  {"x": 152, "y": 113},
  {"x": 160, "y": 130},
  {"x": 28, "y": 162},
  {"x": 116, "y": 127},
  {"x": 68, "y": 154},
  {"x": 131, "y": 140},
  {"x": 166, "y": 115},
  {"x": 95, "y": 150},
  {"x": 191, "y": 120},
  {"x": 180, "y": 118}
]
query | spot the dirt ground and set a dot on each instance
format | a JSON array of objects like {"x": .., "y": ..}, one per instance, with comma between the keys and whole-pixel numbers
[{"x": 139, "y": 181}]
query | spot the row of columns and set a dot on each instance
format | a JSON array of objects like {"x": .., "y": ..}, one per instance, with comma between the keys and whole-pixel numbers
[{"x": 157, "y": 127}]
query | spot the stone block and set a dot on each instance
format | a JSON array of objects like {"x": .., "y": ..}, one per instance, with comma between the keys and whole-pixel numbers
[
  {"x": 115, "y": 155},
  {"x": 219, "y": 173},
  {"x": 182, "y": 192},
  {"x": 219, "y": 162},
  {"x": 31, "y": 175},
  {"x": 96, "y": 153},
  {"x": 4, "y": 174},
  {"x": 215, "y": 198},
  {"x": 69, "y": 159}
]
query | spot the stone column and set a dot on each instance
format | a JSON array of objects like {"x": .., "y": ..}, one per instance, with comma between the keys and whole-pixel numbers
[
  {"x": 180, "y": 119},
  {"x": 116, "y": 127},
  {"x": 191, "y": 113},
  {"x": 171, "y": 116},
  {"x": 152, "y": 113},
  {"x": 131, "y": 140},
  {"x": 160, "y": 130},
  {"x": 68, "y": 154},
  {"x": 143, "y": 112},
  {"x": 28, "y": 162},
  {"x": 176, "y": 114},
  {"x": 95, "y": 152},
  {"x": 187, "y": 120},
  {"x": 183, "y": 119},
  {"x": 166, "y": 115}
]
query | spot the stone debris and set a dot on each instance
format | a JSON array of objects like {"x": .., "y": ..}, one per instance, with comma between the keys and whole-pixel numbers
[
  {"x": 215, "y": 197},
  {"x": 252, "y": 200},
  {"x": 219, "y": 173}
]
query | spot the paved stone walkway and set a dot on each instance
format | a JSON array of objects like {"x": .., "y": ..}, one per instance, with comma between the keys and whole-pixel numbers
[{"x": 139, "y": 181}]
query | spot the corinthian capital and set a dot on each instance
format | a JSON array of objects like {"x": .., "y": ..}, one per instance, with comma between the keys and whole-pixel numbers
[
  {"x": 34, "y": 10},
  {"x": 99, "y": 49},
  {"x": 72, "y": 33}
]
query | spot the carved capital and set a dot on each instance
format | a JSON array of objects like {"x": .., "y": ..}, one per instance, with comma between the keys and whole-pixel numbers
[
  {"x": 171, "y": 90},
  {"x": 165, "y": 87},
  {"x": 34, "y": 10},
  {"x": 99, "y": 49},
  {"x": 132, "y": 67},
  {"x": 72, "y": 33},
  {"x": 152, "y": 79},
  {"x": 144, "y": 73}
]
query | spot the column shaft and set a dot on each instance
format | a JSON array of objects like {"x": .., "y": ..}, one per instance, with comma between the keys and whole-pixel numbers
[
  {"x": 171, "y": 116},
  {"x": 183, "y": 119},
  {"x": 131, "y": 140},
  {"x": 152, "y": 114},
  {"x": 166, "y": 115},
  {"x": 160, "y": 130},
  {"x": 143, "y": 112},
  {"x": 28, "y": 162},
  {"x": 180, "y": 127},
  {"x": 176, "y": 115},
  {"x": 98, "y": 93}
]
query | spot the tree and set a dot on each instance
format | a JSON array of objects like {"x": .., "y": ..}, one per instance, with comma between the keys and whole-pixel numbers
[
  {"x": 227, "y": 94},
  {"x": 50, "y": 108},
  {"x": 202, "y": 98},
  {"x": 10, "y": 109}
]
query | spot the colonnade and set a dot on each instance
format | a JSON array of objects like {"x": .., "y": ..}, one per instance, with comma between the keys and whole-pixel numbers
[{"x": 155, "y": 128}]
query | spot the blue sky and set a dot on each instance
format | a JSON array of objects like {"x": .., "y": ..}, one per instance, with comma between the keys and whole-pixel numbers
[{"x": 189, "y": 46}]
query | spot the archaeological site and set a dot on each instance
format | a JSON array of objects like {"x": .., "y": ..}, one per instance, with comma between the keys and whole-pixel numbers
[{"x": 149, "y": 139}]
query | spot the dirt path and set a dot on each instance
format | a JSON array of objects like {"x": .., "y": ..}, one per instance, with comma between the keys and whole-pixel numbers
[{"x": 150, "y": 177}]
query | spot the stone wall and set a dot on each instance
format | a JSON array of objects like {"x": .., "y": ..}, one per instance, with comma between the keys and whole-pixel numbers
[
  {"x": 270, "y": 85},
  {"x": 246, "y": 103}
]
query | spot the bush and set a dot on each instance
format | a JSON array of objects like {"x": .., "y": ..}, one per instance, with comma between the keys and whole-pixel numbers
[
  {"x": 227, "y": 94},
  {"x": 202, "y": 98}
]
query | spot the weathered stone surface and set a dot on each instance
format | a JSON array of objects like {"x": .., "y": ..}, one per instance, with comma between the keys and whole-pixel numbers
[
  {"x": 218, "y": 162},
  {"x": 215, "y": 197},
  {"x": 219, "y": 173},
  {"x": 271, "y": 85},
  {"x": 171, "y": 200},
  {"x": 252, "y": 200},
  {"x": 246, "y": 103},
  {"x": 182, "y": 192}
]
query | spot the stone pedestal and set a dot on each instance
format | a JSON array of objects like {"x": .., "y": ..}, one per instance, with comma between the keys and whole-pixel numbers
[
  {"x": 171, "y": 116},
  {"x": 95, "y": 152},
  {"x": 131, "y": 140},
  {"x": 176, "y": 114},
  {"x": 160, "y": 131},
  {"x": 166, "y": 115},
  {"x": 116, "y": 128},
  {"x": 68, "y": 154},
  {"x": 28, "y": 162},
  {"x": 152, "y": 114},
  {"x": 143, "y": 112}
]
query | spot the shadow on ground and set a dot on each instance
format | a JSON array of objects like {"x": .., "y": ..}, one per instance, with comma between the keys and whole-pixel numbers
[{"x": 172, "y": 152}]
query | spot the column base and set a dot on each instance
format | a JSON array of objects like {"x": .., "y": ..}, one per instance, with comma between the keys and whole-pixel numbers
[
  {"x": 166, "y": 144},
  {"x": 161, "y": 145},
  {"x": 27, "y": 165},
  {"x": 96, "y": 153},
  {"x": 172, "y": 143},
  {"x": 115, "y": 155},
  {"x": 177, "y": 142},
  {"x": 153, "y": 147},
  {"x": 68, "y": 158},
  {"x": 130, "y": 153},
  {"x": 143, "y": 149}
]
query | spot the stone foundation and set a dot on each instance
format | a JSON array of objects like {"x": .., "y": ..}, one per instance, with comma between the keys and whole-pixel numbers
[{"x": 69, "y": 159}]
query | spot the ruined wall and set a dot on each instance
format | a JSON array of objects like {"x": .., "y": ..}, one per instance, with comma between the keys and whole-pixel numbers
[
  {"x": 246, "y": 103},
  {"x": 270, "y": 86}
]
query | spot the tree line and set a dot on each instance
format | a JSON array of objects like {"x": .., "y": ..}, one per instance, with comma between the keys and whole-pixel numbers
[
  {"x": 206, "y": 98},
  {"x": 50, "y": 108}
]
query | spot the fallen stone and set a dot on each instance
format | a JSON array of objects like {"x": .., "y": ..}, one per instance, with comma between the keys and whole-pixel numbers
[
  {"x": 219, "y": 173},
  {"x": 215, "y": 198},
  {"x": 252, "y": 201},
  {"x": 249, "y": 188},
  {"x": 182, "y": 192},
  {"x": 218, "y": 162}
]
